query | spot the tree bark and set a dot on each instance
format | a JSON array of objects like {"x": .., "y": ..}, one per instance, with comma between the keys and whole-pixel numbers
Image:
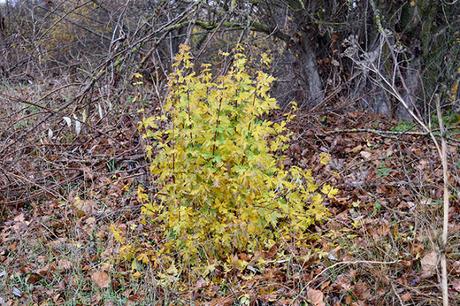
[
  {"x": 412, "y": 80},
  {"x": 309, "y": 70},
  {"x": 3, "y": 48}
]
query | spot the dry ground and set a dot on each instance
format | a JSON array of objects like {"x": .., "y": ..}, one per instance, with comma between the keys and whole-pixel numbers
[{"x": 60, "y": 193}]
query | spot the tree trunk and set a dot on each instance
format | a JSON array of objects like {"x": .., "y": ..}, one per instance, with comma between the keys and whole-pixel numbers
[
  {"x": 309, "y": 71},
  {"x": 412, "y": 81},
  {"x": 3, "y": 48}
]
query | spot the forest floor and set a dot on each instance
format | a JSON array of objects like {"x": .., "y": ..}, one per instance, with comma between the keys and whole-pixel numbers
[{"x": 379, "y": 247}]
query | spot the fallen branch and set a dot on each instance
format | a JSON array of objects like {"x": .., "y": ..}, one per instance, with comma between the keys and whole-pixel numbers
[{"x": 386, "y": 133}]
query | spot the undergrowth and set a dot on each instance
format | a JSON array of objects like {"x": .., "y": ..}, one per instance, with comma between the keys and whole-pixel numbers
[{"x": 217, "y": 162}]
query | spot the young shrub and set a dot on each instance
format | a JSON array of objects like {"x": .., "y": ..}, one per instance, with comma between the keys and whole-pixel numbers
[{"x": 218, "y": 164}]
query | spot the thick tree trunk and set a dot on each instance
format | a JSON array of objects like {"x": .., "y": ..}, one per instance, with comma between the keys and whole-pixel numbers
[
  {"x": 309, "y": 69},
  {"x": 300, "y": 36}
]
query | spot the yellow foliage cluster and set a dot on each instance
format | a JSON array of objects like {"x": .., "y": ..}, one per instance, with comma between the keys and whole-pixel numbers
[{"x": 218, "y": 164}]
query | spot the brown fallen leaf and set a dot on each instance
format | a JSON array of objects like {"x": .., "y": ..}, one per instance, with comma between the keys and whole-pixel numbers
[
  {"x": 348, "y": 299},
  {"x": 456, "y": 267},
  {"x": 361, "y": 290},
  {"x": 224, "y": 301},
  {"x": 429, "y": 263},
  {"x": 88, "y": 174},
  {"x": 456, "y": 284},
  {"x": 406, "y": 297},
  {"x": 366, "y": 155},
  {"x": 46, "y": 270},
  {"x": 19, "y": 218},
  {"x": 101, "y": 279},
  {"x": 343, "y": 282},
  {"x": 64, "y": 264},
  {"x": 200, "y": 284},
  {"x": 34, "y": 278},
  {"x": 316, "y": 297}
]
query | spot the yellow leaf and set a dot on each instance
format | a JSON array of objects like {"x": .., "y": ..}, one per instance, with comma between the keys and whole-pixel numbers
[
  {"x": 117, "y": 234},
  {"x": 137, "y": 75},
  {"x": 143, "y": 258},
  {"x": 266, "y": 60},
  {"x": 324, "y": 158},
  {"x": 136, "y": 275},
  {"x": 329, "y": 191},
  {"x": 172, "y": 270}
]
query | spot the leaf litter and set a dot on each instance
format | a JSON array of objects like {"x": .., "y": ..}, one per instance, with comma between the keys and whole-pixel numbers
[{"x": 387, "y": 211}]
